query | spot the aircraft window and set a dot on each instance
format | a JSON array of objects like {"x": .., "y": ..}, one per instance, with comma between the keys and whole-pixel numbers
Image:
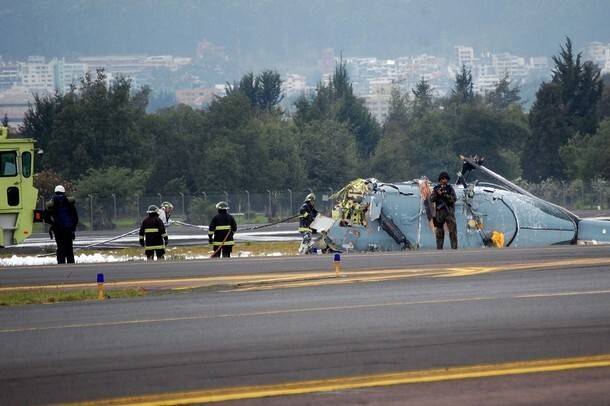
[
  {"x": 547, "y": 208},
  {"x": 8, "y": 163},
  {"x": 26, "y": 164}
]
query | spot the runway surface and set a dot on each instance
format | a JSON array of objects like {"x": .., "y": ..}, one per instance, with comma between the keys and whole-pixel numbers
[{"x": 484, "y": 326}]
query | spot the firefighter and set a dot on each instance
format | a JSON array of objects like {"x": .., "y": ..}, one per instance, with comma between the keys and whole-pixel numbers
[
  {"x": 152, "y": 234},
  {"x": 165, "y": 212},
  {"x": 61, "y": 214},
  {"x": 221, "y": 230},
  {"x": 444, "y": 198},
  {"x": 307, "y": 214}
]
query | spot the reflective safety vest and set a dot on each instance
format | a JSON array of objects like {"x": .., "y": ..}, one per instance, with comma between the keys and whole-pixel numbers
[
  {"x": 222, "y": 228},
  {"x": 152, "y": 231}
]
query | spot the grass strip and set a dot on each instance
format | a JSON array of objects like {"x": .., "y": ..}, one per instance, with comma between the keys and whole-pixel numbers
[{"x": 47, "y": 296}]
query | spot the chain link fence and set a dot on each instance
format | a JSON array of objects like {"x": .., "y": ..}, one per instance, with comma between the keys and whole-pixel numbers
[{"x": 110, "y": 212}]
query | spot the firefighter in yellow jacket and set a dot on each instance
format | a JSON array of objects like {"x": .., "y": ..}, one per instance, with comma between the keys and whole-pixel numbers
[
  {"x": 220, "y": 233},
  {"x": 152, "y": 234}
]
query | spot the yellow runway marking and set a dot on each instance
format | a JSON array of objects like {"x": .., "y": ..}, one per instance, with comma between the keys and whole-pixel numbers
[
  {"x": 294, "y": 311},
  {"x": 302, "y": 279},
  {"x": 364, "y": 381}
]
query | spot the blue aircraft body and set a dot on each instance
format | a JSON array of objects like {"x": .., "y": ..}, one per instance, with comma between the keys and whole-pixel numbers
[{"x": 373, "y": 216}]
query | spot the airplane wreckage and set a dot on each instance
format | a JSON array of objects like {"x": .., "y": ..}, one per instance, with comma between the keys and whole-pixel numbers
[{"x": 373, "y": 216}]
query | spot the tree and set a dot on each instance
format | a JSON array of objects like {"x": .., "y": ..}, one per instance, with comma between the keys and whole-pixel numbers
[
  {"x": 45, "y": 181},
  {"x": 564, "y": 107},
  {"x": 463, "y": 92},
  {"x": 550, "y": 131},
  {"x": 423, "y": 98},
  {"x": 336, "y": 101},
  {"x": 503, "y": 96},
  {"x": 122, "y": 182},
  {"x": 92, "y": 126},
  {"x": 581, "y": 89},
  {"x": 264, "y": 90},
  {"x": 269, "y": 90},
  {"x": 329, "y": 153},
  {"x": 588, "y": 156},
  {"x": 391, "y": 157}
]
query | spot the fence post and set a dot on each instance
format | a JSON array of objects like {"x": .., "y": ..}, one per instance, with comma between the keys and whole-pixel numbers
[
  {"x": 137, "y": 208},
  {"x": 183, "y": 209},
  {"x": 91, "y": 211},
  {"x": 114, "y": 206},
  {"x": 269, "y": 209},
  {"x": 247, "y": 205}
]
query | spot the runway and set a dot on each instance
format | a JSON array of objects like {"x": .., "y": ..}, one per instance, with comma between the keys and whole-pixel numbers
[{"x": 476, "y": 325}]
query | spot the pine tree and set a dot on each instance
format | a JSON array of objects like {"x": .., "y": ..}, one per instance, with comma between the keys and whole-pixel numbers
[
  {"x": 463, "y": 92},
  {"x": 423, "y": 97}
]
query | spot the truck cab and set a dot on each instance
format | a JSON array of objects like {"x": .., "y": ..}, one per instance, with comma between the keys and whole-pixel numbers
[{"x": 17, "y": 193}]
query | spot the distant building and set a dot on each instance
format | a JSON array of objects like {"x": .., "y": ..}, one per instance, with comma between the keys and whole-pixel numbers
[
  {"x": 539, "y": 63},
  {"x": 379, "y": 97},
  {"x": 198, "y": 97},
  {"x": 294, "y": 85},
  {"x": 67, "y": 74},
  {"x": 9, "y": 76},
  {"x": 36, "y": 75},
  {"x": 464, "y": 56},
  {"x": 598, "y": 53},
  {"x": 14, "y": 103},
  {"x": 509, "y": 65}
]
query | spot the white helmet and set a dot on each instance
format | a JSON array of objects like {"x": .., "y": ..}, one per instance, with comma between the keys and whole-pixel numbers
[{"x": 60, "y": 189}]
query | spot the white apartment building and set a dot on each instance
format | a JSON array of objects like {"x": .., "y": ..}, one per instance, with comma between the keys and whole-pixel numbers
[
  {"x": 599, "y": 53},
  {"x": 37, "y": 76},
  {"x": 66, "y": 74},
  {"x": 464, "y": 56},
  {"x": 539, "y": 63},
  {"x": 379, "y": 97},
  {"x": 294, "y": 84},
  {"x": 507, "y": 64}
]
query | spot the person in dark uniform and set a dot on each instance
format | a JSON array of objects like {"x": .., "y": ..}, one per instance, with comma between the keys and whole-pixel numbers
[
  {"x": 307, "y": 214},
  {"x": 61, "y": 214},
  {"x": 221, "y": 230},
  {"x": 152, "y": 234},
  {"x": 444, "y": 198}
]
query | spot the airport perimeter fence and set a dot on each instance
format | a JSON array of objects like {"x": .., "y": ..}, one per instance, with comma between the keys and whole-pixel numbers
[{"x": 110, "y": 211}]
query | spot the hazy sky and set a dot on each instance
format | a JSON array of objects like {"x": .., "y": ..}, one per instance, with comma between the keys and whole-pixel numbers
[{"x": 282, "y": 31}]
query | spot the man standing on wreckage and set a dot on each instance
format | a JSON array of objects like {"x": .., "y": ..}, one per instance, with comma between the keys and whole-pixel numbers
[{"x": 444, "y": 198}]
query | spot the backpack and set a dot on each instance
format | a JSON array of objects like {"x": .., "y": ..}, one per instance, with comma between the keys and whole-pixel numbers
[{"x": 64, "y": 219}]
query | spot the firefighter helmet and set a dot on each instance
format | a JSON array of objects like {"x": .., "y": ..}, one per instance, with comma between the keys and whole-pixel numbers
[
  {"x": 222, "y": 206},
  {"x": 152, "y": 209},
  {"x": 167, "y": 205},
  {"x": 310, "y": 198},
  {"x": 60, "y": 189}
]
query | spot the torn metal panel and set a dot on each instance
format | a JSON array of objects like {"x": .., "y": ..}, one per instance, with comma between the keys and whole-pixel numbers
[{"x": 374, "y": 216}]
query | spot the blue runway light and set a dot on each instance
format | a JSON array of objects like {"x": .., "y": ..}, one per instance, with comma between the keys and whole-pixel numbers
[
  {"x": 337, "y": 257},
  {"x": 100, "y": 278}
]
